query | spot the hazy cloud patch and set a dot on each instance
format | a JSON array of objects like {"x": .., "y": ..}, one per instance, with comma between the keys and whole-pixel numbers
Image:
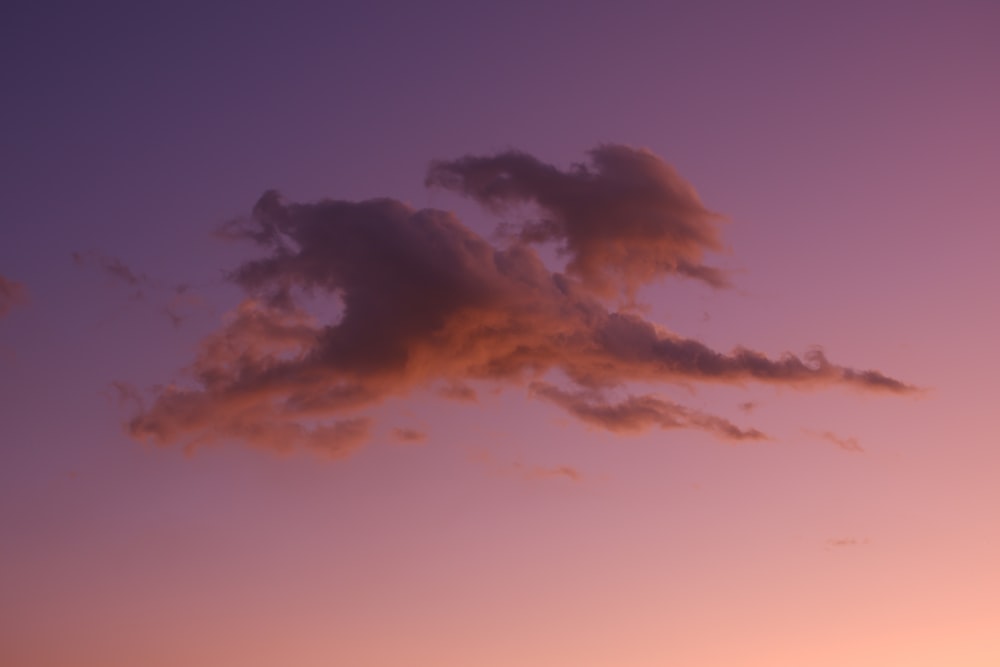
[
  {"x": 525, "y": 471},
  {"x": 541, "y": 472},
  {"x": 457, "y": 391},
  {"x": 842, "y": 542},
  {"x": 114, "y": 268},
  {"x": 12, "y": 293},
  {"x": 408, "y": 435},
  {"x": 176, "y": 302},
  {"x": 848, "y": 444}
]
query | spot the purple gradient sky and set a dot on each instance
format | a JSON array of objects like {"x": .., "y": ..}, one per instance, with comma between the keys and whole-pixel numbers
[{"x": 855, "y": 149}]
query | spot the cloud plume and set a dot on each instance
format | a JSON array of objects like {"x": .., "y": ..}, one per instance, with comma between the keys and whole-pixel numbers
[
  {"x": 624, "y": 219},
  {"x": 422, "y": 301},
  {"x": 12, "y": 293}
]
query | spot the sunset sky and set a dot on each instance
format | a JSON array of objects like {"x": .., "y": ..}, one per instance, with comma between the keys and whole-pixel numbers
[{"x": 458, "y": 334}]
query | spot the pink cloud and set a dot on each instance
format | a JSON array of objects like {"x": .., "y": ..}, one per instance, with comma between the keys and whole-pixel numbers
[{"x": 424, "y": 301}]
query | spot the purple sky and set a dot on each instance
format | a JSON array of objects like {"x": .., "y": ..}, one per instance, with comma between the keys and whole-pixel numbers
[{"x": 853, "y": 150}]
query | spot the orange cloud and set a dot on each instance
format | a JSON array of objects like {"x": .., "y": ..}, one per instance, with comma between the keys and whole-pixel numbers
[
  {"x": 422, "y": 300},
  {"x": 638, "y": 413}
]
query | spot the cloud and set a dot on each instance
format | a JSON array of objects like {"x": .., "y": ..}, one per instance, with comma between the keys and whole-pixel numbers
[
  {"x": 124, "y": 393},
  {"x": 532, "y": 473},
  {"x": 12, "y": 293},
  {"x": 847, "y": 444},
  {"x": 458, "y": 391},
  {"x": 182, "y": 300},
  {"x": 422, "y": 301},
  {"x": 111, "y": 266},
  {"x": 623, "y": 219},
  {"x": 408, "y": 435},
  {"x": 638, "y": 413},
  {"x": 527, "y": 472},
  {"x": 177, "y": 300},
  {"x": 840, "y": 542}
]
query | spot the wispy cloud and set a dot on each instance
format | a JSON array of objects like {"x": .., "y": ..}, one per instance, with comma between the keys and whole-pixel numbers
[
  {"x": 458, "y": 391},
  {"x": 541, "y": 472},
  {"x": 176, "y": 299},
  {"x": 12, "y": 293},
  {"x": 424, "y": 301},
  {"x": 848, "y": 444},
  {"x": 842, "y": 542},
  {"x": 638, "y": 413},
  {"x": 525, "y": 471},
  {"x": 408, "y": 435},
  {"x": 114, "y": 268}
]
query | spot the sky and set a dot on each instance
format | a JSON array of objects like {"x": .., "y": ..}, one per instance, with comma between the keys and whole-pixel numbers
[{"x": 532, "y": 333}]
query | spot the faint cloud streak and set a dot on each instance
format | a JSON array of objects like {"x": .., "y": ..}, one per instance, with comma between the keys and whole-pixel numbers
[
  {"x": 12, "y": 293},
  {"x": 848, "y": 444},
  {"x": 408, "y": 435}
]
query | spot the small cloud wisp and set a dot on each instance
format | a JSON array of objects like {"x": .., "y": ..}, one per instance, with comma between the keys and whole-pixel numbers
[
  {"x": 12, "y": 293},
  {"x": 847, "y": 444}
]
